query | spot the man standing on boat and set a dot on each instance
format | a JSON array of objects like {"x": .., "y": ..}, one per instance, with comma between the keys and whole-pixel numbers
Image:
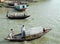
[{"x": 23, "y": 31}]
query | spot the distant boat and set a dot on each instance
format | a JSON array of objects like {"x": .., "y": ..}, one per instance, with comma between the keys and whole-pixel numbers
[
  {"x": 30, "y": 34},
  {"x": 0, "y": 5},
  {"x": 21, "y": 7},
  {"x": 9, "y": 4},
  {"x": 17, "y": 16}
]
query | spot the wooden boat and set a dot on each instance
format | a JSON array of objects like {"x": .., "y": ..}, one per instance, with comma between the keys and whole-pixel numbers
[
  {"x": 24, "y": 2},
  {"x": 17, "y": 16},
  {"x": 28, "y": 37},
  {"x": 8, "y": 6},
  {"x": 11, "y": 4},
  {"x": 0, "y": 6},
  {"x": 21, "y": 7}
]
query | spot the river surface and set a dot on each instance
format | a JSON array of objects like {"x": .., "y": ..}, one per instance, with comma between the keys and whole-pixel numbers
[{"x": 45, "y": 13}]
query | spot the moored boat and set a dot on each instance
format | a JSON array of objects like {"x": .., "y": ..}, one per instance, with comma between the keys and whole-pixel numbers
[
  {"x": 32, "y": 34},
  {"x": 21, "y": 7},
  {"x": 8, "y": 6},
  {"x": 0, "y": 6},
  {"x": 17, "y": 16},
  {"x": 11, "y": 4}
]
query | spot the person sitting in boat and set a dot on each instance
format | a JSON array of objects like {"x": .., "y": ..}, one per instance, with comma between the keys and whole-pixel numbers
[
  {"x": 16, "y": 3},
  {"x": 11, "y": 34},
  {"x": 23, "y": 31},
  {"x": 15, "y": 14},
  {"x": 24, "y": 14},
  {"x": 44, "y": 30}
]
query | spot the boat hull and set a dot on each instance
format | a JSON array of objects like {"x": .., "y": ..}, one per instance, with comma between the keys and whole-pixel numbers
[
  {"x": 11, "y": 4},
  {"x": 17, "y": 16},
  {"x": 21, "y": 17},
  {"x": 7, "y": 6}
]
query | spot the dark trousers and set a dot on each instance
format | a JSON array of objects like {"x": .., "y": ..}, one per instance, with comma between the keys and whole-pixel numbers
[{"x": 23, "y": 33}]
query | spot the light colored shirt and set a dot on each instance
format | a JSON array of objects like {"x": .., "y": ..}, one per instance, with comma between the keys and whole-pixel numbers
[
  {"x": 10, "y": 34},
  {"x": 22, "y": 29},
  {"x": 15, "y": 4}
]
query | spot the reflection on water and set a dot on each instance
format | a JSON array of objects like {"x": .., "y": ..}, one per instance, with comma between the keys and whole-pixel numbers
[{"x": 43, "y": 13}]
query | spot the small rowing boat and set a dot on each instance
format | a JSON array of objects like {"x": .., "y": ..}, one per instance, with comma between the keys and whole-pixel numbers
[
  {"x": 21, "y": 7},
  {"x": 17, "y": 16},
  {"x": 32, "y": 34}
]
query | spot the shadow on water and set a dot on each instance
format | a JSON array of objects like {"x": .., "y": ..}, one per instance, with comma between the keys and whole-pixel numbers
[
  {"x": 3, "y": 18},
  {"x": 26, "y": 19},
  {"x": 36, "y": 41},
  {"x": 9, "y": 42},
  {"x": 41, "y": 40},
  {"x": 44, "y": 0}
]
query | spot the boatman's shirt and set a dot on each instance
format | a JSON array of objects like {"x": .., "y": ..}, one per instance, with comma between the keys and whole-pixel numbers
[{"x": 22, "y": 29}]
